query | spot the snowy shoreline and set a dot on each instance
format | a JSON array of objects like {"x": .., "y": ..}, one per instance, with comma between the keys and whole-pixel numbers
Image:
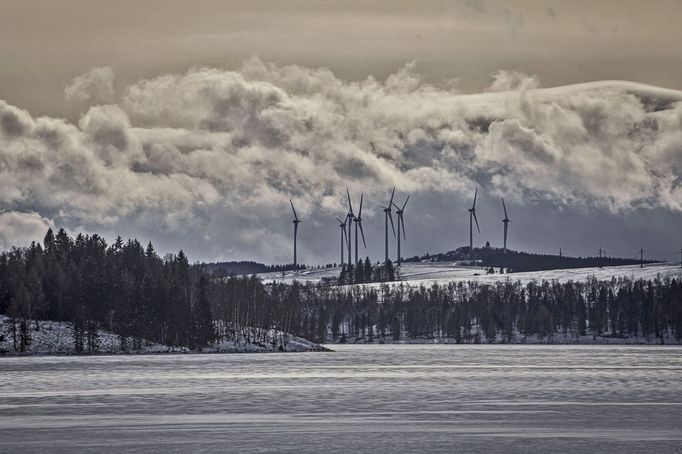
[
  {"x": 668, "y": 339},
  {"x": 56, "y": 339}
]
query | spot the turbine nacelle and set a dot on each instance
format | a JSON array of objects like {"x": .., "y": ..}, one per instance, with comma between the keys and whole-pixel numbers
[
  {"x": 472, "y": 211},
  {"x": 506, "y": 216},
  {"x": 358, "y": 222},
  {"x": 350, "y": 214},
  {"x": 399, "y": 211},
  {"x": 296, "y": 219},
  {"x": 388, "y": 211}
]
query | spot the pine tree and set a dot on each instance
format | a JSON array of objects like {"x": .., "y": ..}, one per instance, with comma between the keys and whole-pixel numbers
[
  {"x": 389, "y": 272},
  {"x": 203, "y": 319},
  {"x": 359, "y": 273},
  {"x": 367, "y": 272}
]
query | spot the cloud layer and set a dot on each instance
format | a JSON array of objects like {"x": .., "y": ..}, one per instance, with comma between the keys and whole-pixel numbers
[{"x": 212, "y": 156}]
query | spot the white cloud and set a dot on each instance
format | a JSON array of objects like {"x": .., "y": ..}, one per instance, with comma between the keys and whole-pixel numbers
[
  {"x": 19, "y": 229},
  {"x": 94, "y": 87},
  {"x": 213, "y": 153},
  {"x": 513, "y": 80}
]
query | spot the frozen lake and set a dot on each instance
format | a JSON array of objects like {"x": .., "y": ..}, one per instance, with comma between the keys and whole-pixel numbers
[{"x": 376, "y": 398}]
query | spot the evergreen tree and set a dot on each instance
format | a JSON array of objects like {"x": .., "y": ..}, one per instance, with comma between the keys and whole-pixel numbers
[
  {"x": 389, "y": 272},
  {"x": 204, "y": 332}
]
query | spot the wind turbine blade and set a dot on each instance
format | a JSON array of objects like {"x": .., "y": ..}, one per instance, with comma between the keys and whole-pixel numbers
[
  {"x": 350, "y": 205},
  {"x": 390, "y": 216},
  {"x": 475, "y": 195},
  {"x": 402, "y": 223},
  {"x": 396, "y": 206},
  {"x": 362, "y": 233},
  {"x": 476, "y": 219},
  {"x": 340, "y": 221},
  {"x": 392, "y": 194},
  {"x": 406, "y": 200},
  {"x": 505, "y": 208},
  {"x": 294, "y": 210},
  {"x": 360, "y": 212}
]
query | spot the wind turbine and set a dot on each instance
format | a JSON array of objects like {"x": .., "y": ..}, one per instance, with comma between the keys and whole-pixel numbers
[
  {"x": 472, "y": 217},
  {"x": 358, "y": 224},
  {"x": 349, "y": 218},
  {"x": 296, "y": 221},
  {"x": 401, "y": 222},
  {"x": 387, "y": 216},
  {"x": 506, "y": 225},
  {"x": 342, "y": 224}
]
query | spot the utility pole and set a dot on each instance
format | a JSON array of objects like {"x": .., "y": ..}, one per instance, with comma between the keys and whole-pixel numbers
[
  {"x": 600, "y": 252},
  {"x": 561, "y": 254},
  {"x": 641, "y": 257}
]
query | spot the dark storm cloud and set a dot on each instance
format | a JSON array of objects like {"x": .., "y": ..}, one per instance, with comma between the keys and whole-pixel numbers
[{"x": 211, "y": 157}]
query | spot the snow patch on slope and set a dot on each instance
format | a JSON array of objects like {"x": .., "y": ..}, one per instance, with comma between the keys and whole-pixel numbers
[
  {"x": 57, "y": 338},
  {"x": 427, "y": 274}
]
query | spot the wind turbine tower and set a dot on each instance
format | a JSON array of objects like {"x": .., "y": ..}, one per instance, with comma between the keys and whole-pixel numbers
[
  {"x": 401, "y": 224},
  {"x": 358, "y": 225},
  {"x": 387, "y": 217},
  {"x": 472, "y": 218},
  {"x": 506, "y": 222},
  {"x": 342, "y": 225},
  {"x": 349, "y": 218},
  {"x": 296, "y": 221}
]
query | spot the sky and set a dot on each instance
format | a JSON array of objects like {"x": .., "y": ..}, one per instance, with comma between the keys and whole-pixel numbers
[{"x": 191, "y": 125}]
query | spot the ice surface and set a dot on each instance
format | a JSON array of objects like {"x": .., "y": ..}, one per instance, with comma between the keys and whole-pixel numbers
[{"x": 379, "y": 398}]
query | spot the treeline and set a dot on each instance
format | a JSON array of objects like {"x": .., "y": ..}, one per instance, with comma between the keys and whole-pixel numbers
[
  {"x": 365, "y": 273},
  {"x": 523, "y": 261},
  {"x": 515, "y": 261},
  {"x": 502, "y": 312},
  {"x": 248, "y": 267},
  {"x": 128, "y": 289},
  {"x": 122, "y": 287}
]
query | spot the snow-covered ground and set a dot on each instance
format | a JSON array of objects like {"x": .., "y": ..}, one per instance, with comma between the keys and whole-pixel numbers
[
  {"x": 444, "y": 272},
  {"x": 57, "y": 338}
]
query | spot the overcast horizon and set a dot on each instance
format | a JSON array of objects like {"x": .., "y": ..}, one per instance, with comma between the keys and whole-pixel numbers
[{"x": 193, "y": 128}]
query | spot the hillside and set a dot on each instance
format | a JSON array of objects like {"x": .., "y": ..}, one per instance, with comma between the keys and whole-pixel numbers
[
  {"x": 58, "y": 338},
  {"x": 444, "y": 272},
  {"x": 518, "y": 261}
]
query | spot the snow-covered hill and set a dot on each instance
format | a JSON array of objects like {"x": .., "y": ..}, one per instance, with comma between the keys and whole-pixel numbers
[
  {"x": 57, "y": 338},
  {"x": 443, "y": 272}
]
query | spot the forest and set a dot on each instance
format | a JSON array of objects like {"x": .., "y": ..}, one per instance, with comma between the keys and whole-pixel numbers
[
  {"x": 518, "y": 261},
  {"x": 247, "y": 267},
  {"x": 128, "y": 289}
]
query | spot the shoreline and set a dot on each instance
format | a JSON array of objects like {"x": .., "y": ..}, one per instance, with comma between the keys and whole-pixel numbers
[
  {"x": 56, "y": 339},
  {"x": 3, "y": 354},
  {"x": 530, "y": 340}
]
